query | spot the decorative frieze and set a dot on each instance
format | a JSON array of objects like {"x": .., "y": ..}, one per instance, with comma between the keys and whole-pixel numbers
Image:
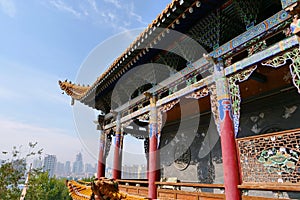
[
  {"x": 273, "y": 158},
  {"x": 262, "y": 45},
  {"x": 287, "y": 3},
  {"x": 166, "y": 107},
  {"x": 279, "y": 61},
  {"x": 203, "y": 92}
]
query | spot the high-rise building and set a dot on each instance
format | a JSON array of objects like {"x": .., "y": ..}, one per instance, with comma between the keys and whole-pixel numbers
[
  {"x": 89, "y": 168},
  {"x": 60, "y": 169},
  {"x": 78, "y": 165},
  {"x": 68, "y": 168},
  {"x": 37, "y": 164},
  {"x": 50, "y": 164}
]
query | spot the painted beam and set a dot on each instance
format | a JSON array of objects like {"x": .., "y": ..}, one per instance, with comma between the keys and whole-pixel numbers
[
  {"x": 254, "y": 32},
  {"x": 241, "y": 65},
  {"x": 265, "y": 54},
  {"x": 200, "y": 64},
  {"x": 286, "y": 3}
]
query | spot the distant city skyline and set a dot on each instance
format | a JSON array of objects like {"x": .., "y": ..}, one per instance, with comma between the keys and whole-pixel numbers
[{"x": 76, "y": 168}]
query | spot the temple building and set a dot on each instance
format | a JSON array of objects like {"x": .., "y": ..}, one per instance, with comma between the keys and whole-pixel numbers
[{"x": 212, "y": 89}]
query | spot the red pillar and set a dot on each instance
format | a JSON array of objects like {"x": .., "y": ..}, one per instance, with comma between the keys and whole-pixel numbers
[
  {"x": 153, "y": 153},
  {"x": 229, "y": 152},
  {"x": 101, "y": 159},
  {"x": 146, "y": 147},
  {"x": 117, "y": 164}
]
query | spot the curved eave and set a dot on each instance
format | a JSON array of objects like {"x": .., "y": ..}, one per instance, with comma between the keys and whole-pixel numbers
[
  {"x": 178, "y": 10},
  {"x": 74, "y": 91}
]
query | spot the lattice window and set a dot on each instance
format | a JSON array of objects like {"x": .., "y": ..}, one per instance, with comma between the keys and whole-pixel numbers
[{"x": 271, "y": 158}]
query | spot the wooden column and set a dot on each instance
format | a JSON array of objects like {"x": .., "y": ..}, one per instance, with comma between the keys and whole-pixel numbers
[
  {"x": 153, "y": 153},
  {"x": 146, "y": 149},
  {"x": 101, "y": 159},
  {"x": 117, "y": 164},
  {"x": 229, "y": 152}
]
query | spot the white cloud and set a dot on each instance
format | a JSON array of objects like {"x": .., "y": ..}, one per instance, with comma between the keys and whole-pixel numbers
[
  {"x": 93, "y": 4},
  {"x": 8, "y": 7},
  {"x": 60, "y": 5},
  {"x": 116, "y": 3},
  {"x": 132, "y": 14},
  {"x": 111, "y": 16},
  {"x": 110, "y": 13}
]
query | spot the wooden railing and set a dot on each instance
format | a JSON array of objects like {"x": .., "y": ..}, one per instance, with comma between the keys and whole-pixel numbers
[
  {"x": 134, "y": 187},
  {"x": 270, "y": 162},
  {"x": 183, "y": 190}
]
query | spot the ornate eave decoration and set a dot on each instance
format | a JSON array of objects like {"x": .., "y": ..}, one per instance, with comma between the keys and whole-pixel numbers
[
  {"x": 203, "y": 92},
  {"x": 73, "y": 90},
  {"x": 214, "y": 104},
  {"x": 235, "y": 95},
  {"x": 279, "y": 61},
  {"x": 166, "y": 107}
]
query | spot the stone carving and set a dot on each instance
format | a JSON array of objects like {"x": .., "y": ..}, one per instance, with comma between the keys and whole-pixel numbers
[
  {"x": 289, "y": 111},
  {"x": 182, "y": 156}
]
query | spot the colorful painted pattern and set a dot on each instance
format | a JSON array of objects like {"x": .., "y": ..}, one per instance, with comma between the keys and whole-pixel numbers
[
  {"x": 252, "y": 33},
  {"x": 271, "y": 158},
  {"x": 153, "y": 130},
  {"x": 294, "y": 56},
  {"x": 203, "y": 92},
  {"x": 235, "y": 96},
  {"x": 224, "y": 108},
  {"x": 265, "y": 54},
  {"x": 287, "y": 3},
  {"x": 214, "y": 104}
]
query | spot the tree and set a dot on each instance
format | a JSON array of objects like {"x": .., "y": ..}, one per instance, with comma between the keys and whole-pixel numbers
[
  {"x": 12, "y": 171},
  {"x": 41, "y": 186},
  {"x": 44, "y": 188}
]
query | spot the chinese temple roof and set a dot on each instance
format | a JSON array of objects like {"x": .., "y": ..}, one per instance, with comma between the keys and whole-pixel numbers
[
  {"x": 199, "y": 20},
  {"x": 170, "y": 17},
  {"x": 104, "y": 188},
  {"x": 79, "y": 191}
]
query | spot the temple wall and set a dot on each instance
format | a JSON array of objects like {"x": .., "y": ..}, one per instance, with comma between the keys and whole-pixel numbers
[
  {"x": 201, "y": 162},
  {"x": 270, "y": 114},
  {"x": 277, "y": 113}
]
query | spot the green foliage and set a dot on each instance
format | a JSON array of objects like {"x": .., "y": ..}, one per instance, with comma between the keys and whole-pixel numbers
[
  {"x": 12, "y": 171},
  {"x": 89, "y": 179},
  {"x": 41, "y": 186},
  {"x": 44, "y": 188}
]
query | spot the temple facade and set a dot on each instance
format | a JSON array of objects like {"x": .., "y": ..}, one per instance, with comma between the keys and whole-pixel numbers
[{"x": 221, "y": 121}]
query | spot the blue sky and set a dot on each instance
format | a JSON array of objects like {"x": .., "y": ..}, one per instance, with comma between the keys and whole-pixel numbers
[{"x": 43, "y": 41}]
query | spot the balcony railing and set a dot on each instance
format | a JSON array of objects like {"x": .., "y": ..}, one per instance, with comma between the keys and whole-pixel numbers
[{"x": 270, "y": 162}]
